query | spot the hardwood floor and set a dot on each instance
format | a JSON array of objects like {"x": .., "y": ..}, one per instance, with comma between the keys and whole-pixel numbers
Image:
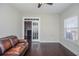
[{"x": 48, "y": 49}]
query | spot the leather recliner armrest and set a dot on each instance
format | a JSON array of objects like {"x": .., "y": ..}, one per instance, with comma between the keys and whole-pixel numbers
[{"x": 22, "y": 40}]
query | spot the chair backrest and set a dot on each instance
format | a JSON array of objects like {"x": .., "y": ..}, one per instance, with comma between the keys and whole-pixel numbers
[{"x": 13, "y": 40}]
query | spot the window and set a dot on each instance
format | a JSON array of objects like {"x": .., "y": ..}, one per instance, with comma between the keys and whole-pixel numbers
[{"x": 71, "y": 28}]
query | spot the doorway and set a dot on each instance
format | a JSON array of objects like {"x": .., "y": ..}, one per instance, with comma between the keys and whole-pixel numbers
[{"x": 31, "y": 29}]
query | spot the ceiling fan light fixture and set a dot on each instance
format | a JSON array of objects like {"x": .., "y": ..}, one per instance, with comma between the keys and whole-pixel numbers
[{"x": 40, "y": 4}]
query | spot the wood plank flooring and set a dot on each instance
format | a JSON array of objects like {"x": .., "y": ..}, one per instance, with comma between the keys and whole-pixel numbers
[{"x": 48, "y": 49}]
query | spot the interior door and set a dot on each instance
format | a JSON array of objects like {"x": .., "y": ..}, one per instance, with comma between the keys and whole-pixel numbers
[{"x": 35, "y": 30}]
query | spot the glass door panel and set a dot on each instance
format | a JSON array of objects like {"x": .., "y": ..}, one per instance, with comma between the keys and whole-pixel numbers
[{"x": 35, "y": 30}]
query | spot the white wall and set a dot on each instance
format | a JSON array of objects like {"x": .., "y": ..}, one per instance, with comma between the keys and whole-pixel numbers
[
  {"x": 49, "y": 26},
  {"x": 70, "y": 12},
  {"x": 10, "y": 21}
]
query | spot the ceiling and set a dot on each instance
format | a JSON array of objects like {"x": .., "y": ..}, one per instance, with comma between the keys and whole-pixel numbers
[{"x": 32, "y": 7}]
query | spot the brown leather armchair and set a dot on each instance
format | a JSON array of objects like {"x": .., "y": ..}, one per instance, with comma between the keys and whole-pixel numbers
[{"x": 12, "y": 46}]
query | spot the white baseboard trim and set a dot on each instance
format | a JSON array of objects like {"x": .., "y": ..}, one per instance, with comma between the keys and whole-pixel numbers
[{"x": 49, "y": 42}]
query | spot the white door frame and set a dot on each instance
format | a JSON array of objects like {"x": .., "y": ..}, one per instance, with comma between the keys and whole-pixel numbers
[{"x": 30, "y": 20}]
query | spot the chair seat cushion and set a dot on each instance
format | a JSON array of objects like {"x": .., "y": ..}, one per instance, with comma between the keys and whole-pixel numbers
[
  {"x": 17, "y": 50},
  {"x": 11, "y": 53}
]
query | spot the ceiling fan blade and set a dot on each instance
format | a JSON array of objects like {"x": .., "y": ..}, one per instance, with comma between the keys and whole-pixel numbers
[
  {"x": 39, "y": 5},
  {"x": 49, "y": 3}
]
